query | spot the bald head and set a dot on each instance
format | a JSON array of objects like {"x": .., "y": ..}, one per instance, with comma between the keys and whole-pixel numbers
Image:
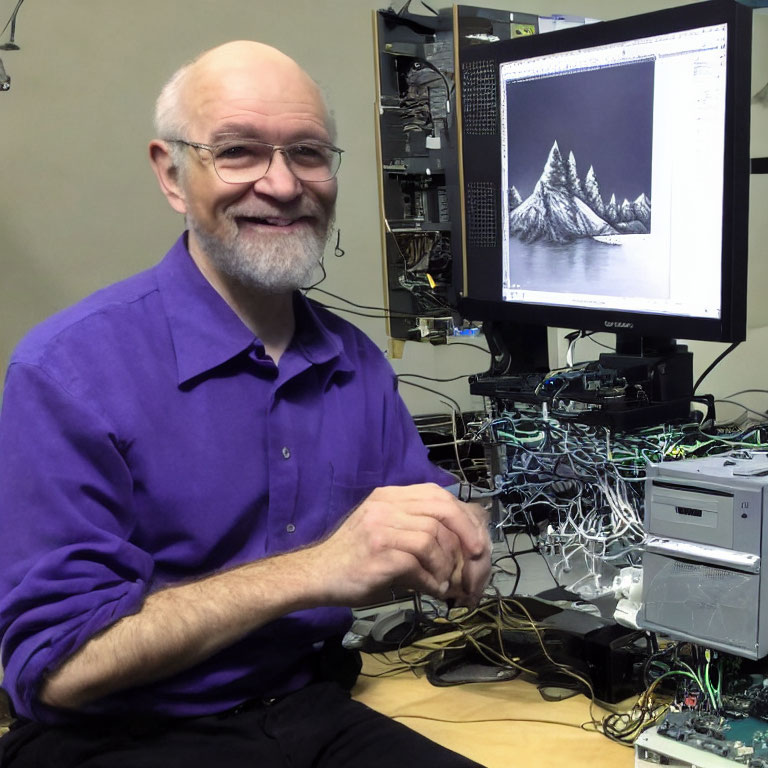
[
  {"x": 247, "y": 75},
  {"x": 244, "y": 57}
]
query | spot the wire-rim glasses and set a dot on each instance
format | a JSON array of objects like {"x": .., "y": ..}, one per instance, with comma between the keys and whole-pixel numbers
[{"x": 241, "y": 161}]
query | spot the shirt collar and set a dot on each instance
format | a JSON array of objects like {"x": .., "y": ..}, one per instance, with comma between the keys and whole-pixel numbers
[
  {"x": 206, "y": 332},
  {"x": 317, "y": 342}
]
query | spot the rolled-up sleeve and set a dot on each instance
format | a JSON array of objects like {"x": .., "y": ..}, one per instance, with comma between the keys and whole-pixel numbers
[{"x": 67, "y": 567}]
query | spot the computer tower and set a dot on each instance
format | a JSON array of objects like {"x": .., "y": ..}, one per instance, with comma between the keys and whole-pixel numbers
[{"x": 703, "y": 574}]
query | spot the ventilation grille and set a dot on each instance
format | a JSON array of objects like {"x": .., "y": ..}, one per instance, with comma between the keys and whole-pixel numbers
[
  {"x": 479, "y": 98},
  {"x": 712, "y": 606},
  {"x": 678, "y": 566},
  {"x": 481, "y": 198}
]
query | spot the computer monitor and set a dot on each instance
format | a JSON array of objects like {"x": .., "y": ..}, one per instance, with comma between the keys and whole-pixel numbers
[{"x": 606, "y": 176}]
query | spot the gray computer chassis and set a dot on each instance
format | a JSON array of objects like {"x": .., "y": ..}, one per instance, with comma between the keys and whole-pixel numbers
[{"x": 703, "y": 575}]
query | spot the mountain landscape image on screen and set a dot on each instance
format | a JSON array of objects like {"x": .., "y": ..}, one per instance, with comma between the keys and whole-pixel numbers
[{"x": 563, "y": 208}]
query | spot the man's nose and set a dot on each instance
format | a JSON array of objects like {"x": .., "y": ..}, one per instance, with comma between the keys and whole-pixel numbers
[{"x": 279, "y": 181}]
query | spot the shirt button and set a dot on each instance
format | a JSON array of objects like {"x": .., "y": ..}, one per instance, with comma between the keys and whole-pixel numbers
[
  {"x": 290, "y": 527},
  {"x": 286, "y": 453}
]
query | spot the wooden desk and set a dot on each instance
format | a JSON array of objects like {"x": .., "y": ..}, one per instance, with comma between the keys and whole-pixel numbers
[{"x": 500, "y": 725}]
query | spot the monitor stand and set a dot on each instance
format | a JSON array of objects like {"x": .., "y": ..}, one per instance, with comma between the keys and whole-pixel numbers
[
  {"x": 516, "y": 348},
  {"x": 519, "y": 361}
]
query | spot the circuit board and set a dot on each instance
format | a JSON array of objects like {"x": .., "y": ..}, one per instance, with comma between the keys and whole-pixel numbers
[{"x": 743, "y": 740}]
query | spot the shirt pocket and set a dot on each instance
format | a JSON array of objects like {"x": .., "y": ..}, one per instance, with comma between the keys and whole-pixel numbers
[{"x": 347, "y": 491}]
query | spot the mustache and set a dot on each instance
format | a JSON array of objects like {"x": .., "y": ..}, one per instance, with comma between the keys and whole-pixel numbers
[{"x": 303, "y": 210}]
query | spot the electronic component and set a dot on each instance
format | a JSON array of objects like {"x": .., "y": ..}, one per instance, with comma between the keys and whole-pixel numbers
[
  {"x": 609, "y": 655},
  {"x": 702, "y": 740},
  {"x": 615, "y": 391},
  {"x": 417, "y": 155}
]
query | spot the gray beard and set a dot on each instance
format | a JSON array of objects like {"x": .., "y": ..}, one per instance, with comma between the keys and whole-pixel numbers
[{"x": 270, "y": 265}]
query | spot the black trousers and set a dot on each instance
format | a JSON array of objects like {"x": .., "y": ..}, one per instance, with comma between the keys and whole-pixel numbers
[{"x": 319, "y": 726}]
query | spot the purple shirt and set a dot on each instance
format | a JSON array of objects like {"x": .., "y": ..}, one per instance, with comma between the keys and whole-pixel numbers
[{"x": 145, "y": 439}]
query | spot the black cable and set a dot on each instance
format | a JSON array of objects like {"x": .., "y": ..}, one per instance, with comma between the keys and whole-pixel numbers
[
  {"x": 467, "y": 344},
  {"x": 387, "y": 314},
  {"x": 338, "y": 251},
  {"x": 546, "y": 562},
  {"x": 710, "y": 416},
  {"x": 314, "y": 285},
  {"x": 434, "y": 391},
  {"x": 361, "y": 306},
  {"x": 351, "y": 311},
  {"x": 440, "y": 74},
  {"x": 513, "y": 555},
  {"x": 713, "y": 364},
  {"x": 359, "y": 314},
  {"x": 761, "y": 414},
  {"x": 574, "y": 336},
  {"x": 13, "y": 16},
  {"x": 748, "y": 391},
  {"x": 432, "y": 378}
]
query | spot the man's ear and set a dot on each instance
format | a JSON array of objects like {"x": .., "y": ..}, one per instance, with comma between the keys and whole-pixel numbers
[{"x": 167, "y": 175}]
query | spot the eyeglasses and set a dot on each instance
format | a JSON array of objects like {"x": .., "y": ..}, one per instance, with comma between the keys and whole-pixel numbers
[{"x": 242, "y": 161}]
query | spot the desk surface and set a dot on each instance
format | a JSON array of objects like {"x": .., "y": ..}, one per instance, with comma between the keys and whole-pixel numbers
[{"x": 497, "y": 724}]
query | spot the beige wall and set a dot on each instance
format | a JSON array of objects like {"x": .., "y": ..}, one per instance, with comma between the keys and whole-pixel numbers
[{"x": 80, "y": 208}]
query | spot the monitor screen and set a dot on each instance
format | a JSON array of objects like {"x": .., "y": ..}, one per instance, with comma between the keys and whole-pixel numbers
[{"x": 609, "y": 191}]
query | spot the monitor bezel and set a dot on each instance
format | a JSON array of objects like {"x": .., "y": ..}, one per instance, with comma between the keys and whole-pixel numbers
[{"x": 481, "y": 162}]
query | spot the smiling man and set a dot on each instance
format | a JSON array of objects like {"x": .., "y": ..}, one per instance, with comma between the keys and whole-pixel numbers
[
  {"x": 202, "y": 471},
  {"x": 262, "y": 225}
]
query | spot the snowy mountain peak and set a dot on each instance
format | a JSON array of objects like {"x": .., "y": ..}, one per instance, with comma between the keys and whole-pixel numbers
[
  {"x": 554, "y": 169},
  {"x": 561, "y": 208}
]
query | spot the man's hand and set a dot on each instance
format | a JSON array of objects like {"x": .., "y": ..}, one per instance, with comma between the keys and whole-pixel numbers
[{"x": 416, "y": 537}]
